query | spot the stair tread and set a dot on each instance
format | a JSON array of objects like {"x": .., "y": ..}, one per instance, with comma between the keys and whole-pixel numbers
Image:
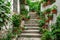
[
  {"x": 31, "y": 31},
  {"x": 30, "y": 34},
  {"x": 32, "y": 27},
  {"x": 31, "y": 24}
]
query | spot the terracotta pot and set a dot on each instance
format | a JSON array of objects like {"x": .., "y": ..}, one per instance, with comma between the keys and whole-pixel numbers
[
  {"x": 45, "y": 26},
  {"x": 54, "y": 11},
  {"x": 47, "y": 20}
]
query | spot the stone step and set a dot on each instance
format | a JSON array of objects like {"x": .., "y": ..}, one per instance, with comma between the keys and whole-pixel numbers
[
  {"x": 30, "y": 31},
  {"x": 28, "y": 38},
  {"x": 31, "y": 25},
  {"x": 30, "y": 35},
  {"x": 33, "y": 15},
  {"x": 31, "y": 21},
  {"x": 30, "y": 28}
]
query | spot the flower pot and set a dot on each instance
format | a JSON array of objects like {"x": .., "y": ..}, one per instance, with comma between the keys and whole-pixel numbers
[
  {"x": 54, "y": 11},
  {"x": 47, "y": 20},
  {"x": 45, "y": 26}
]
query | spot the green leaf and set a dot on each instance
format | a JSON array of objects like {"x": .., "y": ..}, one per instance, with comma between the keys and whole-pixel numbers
[{"x": 1, "y": 20}]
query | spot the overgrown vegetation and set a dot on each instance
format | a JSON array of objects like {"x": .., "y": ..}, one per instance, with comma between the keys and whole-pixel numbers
[{"x": 4, "y": 12}]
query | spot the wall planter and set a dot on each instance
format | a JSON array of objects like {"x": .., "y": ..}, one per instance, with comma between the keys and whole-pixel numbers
[
  {"x": 50, "y": 16},
  {"x": 47, "y": 20},
  {"x": 54, "y": 9},
  {"x": 45, "y": 26}
]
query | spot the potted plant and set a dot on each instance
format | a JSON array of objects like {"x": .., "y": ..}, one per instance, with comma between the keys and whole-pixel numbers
[
  {"x": 44, "y": 4},
  {"x": 48, "y": 10},
  {"x": 47, "y": 20},
  {"x": 54, "y": 9},
  {"x": 41, "y": 30},
  {"x": 27, "y": 18},
  {"x": 44, "y": 12},
  {"x": 41, "y": 23},
  {"x": 50, "y": 16},
  {"x": 16, "y": 19},
  {"x": 45, "y": 26}
]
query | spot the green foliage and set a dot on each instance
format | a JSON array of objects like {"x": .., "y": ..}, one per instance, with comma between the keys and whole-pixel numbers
[
  {"x": 34, "y": 6},
  {"x": 16, "y": 31},
  {"x": 54, "y": 7},
  {"x": 8, "y": 36},
  {"x": 47, "y": 35},
  {"x": 4, "y": 11},
  {"x": 58, "y": 21},
  {"x": 28, "y": 17},
  {"x": 48, "y": 10},
  {"x": 42, "y": 16},
  {"x": 16, "y": 19},
  {"x": 41, "y": 23},
  {"x": 24, "y": 12},
  {"x": 50, "y": 15},
  {"x": 56, "y": 29}
]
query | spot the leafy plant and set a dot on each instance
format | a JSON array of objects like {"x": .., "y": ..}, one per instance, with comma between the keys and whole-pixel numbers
[
  {"x": 41, "y": 23},
  {"x": 16, "y": 30},
  {"x": 4, "y": 12},
  {"x": 8, "y": 36},
  {"x": 42, "y": 16},
  {"x": 54, "y": 7},
  {"x": 56, "y": 29},
  {"x": 34, "y": 6},
  {"x": 28, "y": 17},
  {"x": 47, "y": 35},
  {"x": 16, "y": 19},
  {"x": 48, "y": 10}
]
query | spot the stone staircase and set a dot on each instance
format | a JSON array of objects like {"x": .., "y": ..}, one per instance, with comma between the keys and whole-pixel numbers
[{"x": 31, "y": 31}]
